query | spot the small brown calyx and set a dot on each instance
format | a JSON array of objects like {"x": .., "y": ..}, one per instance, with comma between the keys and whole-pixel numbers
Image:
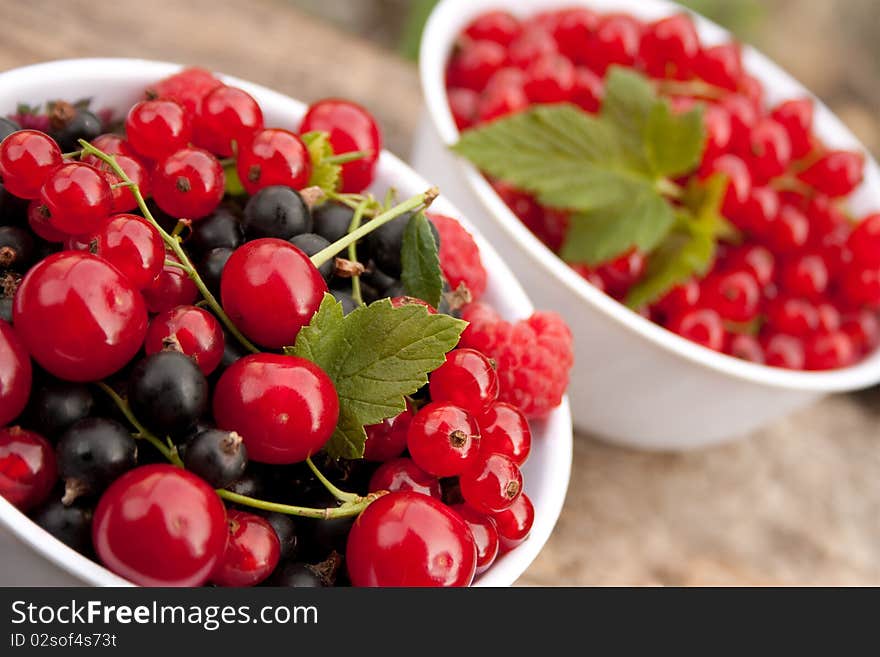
[
  {"x": 348, "y": 268},
  {"x": 73, "y": 489},
  {"x": 458, "y": 438},
  {"x": 328, "y": 569},
  {"x": 254, "y": 173},
  {"x": 512, "y": 490},
  {"x": 61, "y": 114},
  {"x": 459, "y": 297},
  {"x": 430, "y": 196},
  {"x": 313, "y": 195},
  {"x": 93, "y": 247},
  {"x": 231, "y": 443},
  {"x": 8, "y": 256},
  {"x": 9, "y": 283},
  {"x": 183, "y": 184},
  {"x": 171, "y": 343}
]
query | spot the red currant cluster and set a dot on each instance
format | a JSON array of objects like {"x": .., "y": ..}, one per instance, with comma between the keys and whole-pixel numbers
[
  {"x": 116, "y": 356},
  {"x": 800, "y": 288}
]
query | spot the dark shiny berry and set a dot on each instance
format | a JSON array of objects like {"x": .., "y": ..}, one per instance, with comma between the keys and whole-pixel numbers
[
  {"x": 296, "y": 575},
  {"x": 344, "y": 297},
  {"x": 17, "y": 248},
  {"x": 168, "y": 392},
  {"x": 285, "y": 528},
  {"x": 310, "y": 244},
  {"x": 83, "y": 125},
  {"x": 220, "y": 229},
  {"x": 70, "y": 524},
  {"x": 332, "y": 220},
  {"x": 219, "y": 457},
  {"x": 92, "y": 454},
  {"x": 56, "y": 405},
  {"x": 385, "y": 243},
  {"x": 211, "y": 267},
  {"x": 276, "y": 211}
]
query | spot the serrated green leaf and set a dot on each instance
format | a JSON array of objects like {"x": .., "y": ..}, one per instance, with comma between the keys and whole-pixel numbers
[
  {"x": 325, "y": 175},
  {"x": 376, "y": 355},
  {"x": 674, "y": 142},
  {"x": 421, "y": 275},
  {"x": 627, "y": 104}
]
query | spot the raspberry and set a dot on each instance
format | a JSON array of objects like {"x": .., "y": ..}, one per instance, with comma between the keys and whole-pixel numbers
[
  {"x": 460, "y": 256},
  {"x": 532, "y": 356}
]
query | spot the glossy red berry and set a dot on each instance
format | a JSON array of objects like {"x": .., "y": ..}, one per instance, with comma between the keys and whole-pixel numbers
[
  {"x": 533, "y": 43},
  {"x": 485, "y": 535},
  {"x": 38, "y": 220},
  {"x": 769, "y": 150},
  {"x": 743, "y": 115},
  {"x": 171, "y": 288},
  {"x": 505, "y": 430},
  {"x": 189, "y": 183},
  {"x": 572, "y": 29},
  {"x": 679, "y": 299},
  {"x": 719, "y": 132},
  {"x": 789, "y": 231},
  {"x": 622, "y": 273},
  {"x": 27, "y": 468},
  {"x": 159, "y": 525},
  {"x": 735, "y": 295},
  {"x": 274, "y": 157},
  {"x": 861, "y": 285},
  {"x": 443, "y": 439},
  {"x": 828, "y": 318},
  {"x": 615, "y": 41},
  {"x": 226, "y": 115},
  {"x": 805, "y": 275},
  {"x": 827, "y": 221},
  {"x": 792, "y": 316},
  {"x": 270, "y": 289},
  {"x": 756, "y": 259},
  {"x": 409, "y": 539},
  {"x": 157, "y": 128},
  {"x": 739, "y": 185},
  {"x": 123, "y": 199},
  {"x": 515, "y": 523},
  {"x": 759, "y": 211},
  {"x": 15, "y": 374},
  {"x": 193, "y": 330},
  {"x": 745, "y": 347},
  {"x": 504, "y": 94},
  {"x": 467, "y": 379},
  {"x": 252, "y": 551},
  {"x": 351, "y": 128},
  {"x": 402, "y": 474},
  {"x": 796, "y": 116},
  {"x": 720, "y": 65},
  {"x": 588, "y": 90},
  {"x": 828, "y": 351},
  {"x": 863, "y": 329},
  {"x": 669, "y": 47},
  {"x": 79, "y": 317},
  {"x": 475, "y": 63},
  {"x": 77, "y": 197},
  {"x": 864, "y": 241},
  {"x": 133, "y": 246},
  {"x": 387, "y": 440},
  {"x": 284, "y": 407},
  {"x": 550, "y": 79},
  {"x": 491, "y": 483},
  {"x": 27, "y": 157},
  {"x": 111, "y": 144},
  {"x": 498, "y": 26},
  {"x": 701, "y": 325},
  {"x": 837, "y": 173},
  {"x": 187, "y": 87},
  {"x": 786, "y": 351},
  {"x": 464, "y": 104}
]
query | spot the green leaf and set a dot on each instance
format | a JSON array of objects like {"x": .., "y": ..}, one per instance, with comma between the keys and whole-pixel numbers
[
  {"x": 376, "y": 355},
  {"x": 421, "y": 276},
  {"x": 674, "y": 142},
  {"x": 325, "y": 175},
  {"x": 627, "y": 104}
]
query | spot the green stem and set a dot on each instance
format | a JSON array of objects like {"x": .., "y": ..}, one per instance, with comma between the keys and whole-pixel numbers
[
  {"x": 173, "y": 243},
  {"x": 419, "y": 201},
  {"x": 352, "y": 253},
  {"x": 339, "y": 494},
  {"x": 791, "y": 184},
  {"x": 142, "y": 431},
  {"x": 353, "y": 201},
  {"x": 670, "y": 189},
  {"x": 346, "y": 510},
  {"x": 344, "y": 158},
  {"x": 695, "y": 88}
]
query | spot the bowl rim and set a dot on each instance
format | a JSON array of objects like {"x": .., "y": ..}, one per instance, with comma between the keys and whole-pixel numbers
[
  {"x": 438, "y": 38},
  {"x": 557, "y": 427}
]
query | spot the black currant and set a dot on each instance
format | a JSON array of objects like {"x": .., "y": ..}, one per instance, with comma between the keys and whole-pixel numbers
[
  {"x": 211, "y": 267},
  {"x": 6, "y": 309},
  {"x": 285, "y": 528},
  {"x": 17, "y": 248},
  {"x": 344, "y": 297},
  {"x": 82, "y": 125},
  {"x": 232, "y": 351},
  {"x": 7, "y": 127},
  {"x": 219, "y": 457},
  {"x": 70, "y": 524},
  {"x": 251, "y": 484},
  {"x": 92, "y": 454},
  {"x": 296, "y": 575},
  {"x": 13, "y": 210},
  {"x": 332, "y": 220},
  {"x": 276, "y": 211},
  {"x": 168, "y": 393},
  {"x": 377, "y": 279},
  {"x": 56, "y": 405},
  {"x": 310, "y": 244},
  {"x": 385, "y": 243},
  {"x": 221, "y": 229}
]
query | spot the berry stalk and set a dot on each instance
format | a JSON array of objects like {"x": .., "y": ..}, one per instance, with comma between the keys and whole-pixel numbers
[
  {"x": 172, "y": 242},
  {"x": 339, "y": 494},
  {"x": 352, "y": 252}
]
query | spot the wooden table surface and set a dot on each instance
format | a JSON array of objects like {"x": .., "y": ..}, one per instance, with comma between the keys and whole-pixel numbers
[{"x": 798, "y": 503}]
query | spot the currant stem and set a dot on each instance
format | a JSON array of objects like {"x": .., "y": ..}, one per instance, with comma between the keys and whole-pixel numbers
[
  {"x": 346, "y": 510},
  {"x": 142, "y": 432},
  {"x": 670, "y": 189},
  {"x": 339, "y": 494},
  {"x": 345, "y": 158},
  {"x": 352, "y": 252},
  {"x": 173, "y": 243},
  {"x": 422, "y": 201},
  {"x": 696, "y": 88}
]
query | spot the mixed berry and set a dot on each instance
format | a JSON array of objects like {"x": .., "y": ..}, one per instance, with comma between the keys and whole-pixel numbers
[
  {"x": 792, "y": 280},
  {"x": 222, "y": 361}
]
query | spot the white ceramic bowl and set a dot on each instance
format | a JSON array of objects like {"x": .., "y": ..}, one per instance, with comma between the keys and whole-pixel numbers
[
  {"x": 33, "y": 557},
  {"x": 634, "y": 382}
]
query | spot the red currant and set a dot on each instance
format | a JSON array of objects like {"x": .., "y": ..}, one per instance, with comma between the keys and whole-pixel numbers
[
  {"x": 79, "y": 317},
  {"x": 515, "y": 523},
  {"x": 679, "y": 299},
  {"x": 756, "y": 259},
  {"x": 621, "y": 273},
  {"x": 123, "y": 199},
  {"x": 743, "y": 116},
  {"x": 188, "y": 87},
  {"x": 792, "y": 316},
  {"x": 789, "y": 231},
  {"x": 77, "y": 197},
  {"x": 720, "y": 65},
  {"x": 189, "y": 183},
  {"x": 38, "y": 220},
  {"x": 226, "y": 115},
  {"x": 387, "y": 440},
  {"x": 701, "y": 325},
  {"x": 716, "y": 121},
  {"x": 735, "y": 295},
  {"x": 572, "y": 29},
  {"x": 409, "y": 539},
  {"x": 274, "y": 157},
  {"x": 252, "y": 551},
  {"x": 133, "y": 246},
  {"x": 171, "y": 288},
  {"x": 826, "y": 220},
  {"x": 194, "y": 330},
  {"x": 498, "y": 26},
  {"x": 785, "y": 351},
  {"x": 27, "y": 468},
  {"x": 485, "y": 535},
  {"x": 805, "y": 275},
  {"x": 828, "y": 351},
  {"x": 159, "y": 525},
  {"x": 491, "y": 484},
  {"x": 745, "y": 347},
  {"x": 837, "y": 173},
  {"x": 670, "y": 46},
  {"x": 157, "y": 128},
  {"x": 284, "y": 407},
  {"x": 796, "y": 116},
  {"x": 615, "y": 41},
  {"x": 739, "y": 182},
  {"x": 505, "y": 430},
  {"x": 463, "y": 103},
  {"x": 15, "y": 374},
  {"x": 759, "y": 211},
  {"x": 861, "y": 285},
  {"x": 476, "y": 62},
  {"x": 864, "y": 241},
  {"x": 588, "y": 90},
  {"x": 863, "y": 329},
  {"x": 270, "y": 289},
  {"x": 550, "y": 79},
  {"x": 467, "y": 379},
  {"x": 443, "y": 439},
  {"x": 111, "y": 145},
  {"x": 505, "y": 94},
  {"x": 402, "y": 474},
  {"x": 27, "y": 157},
  {"x": 828, "y": 318},
  {"x": 769, "y": 150},
  {"x": 533, "y": 43}
]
